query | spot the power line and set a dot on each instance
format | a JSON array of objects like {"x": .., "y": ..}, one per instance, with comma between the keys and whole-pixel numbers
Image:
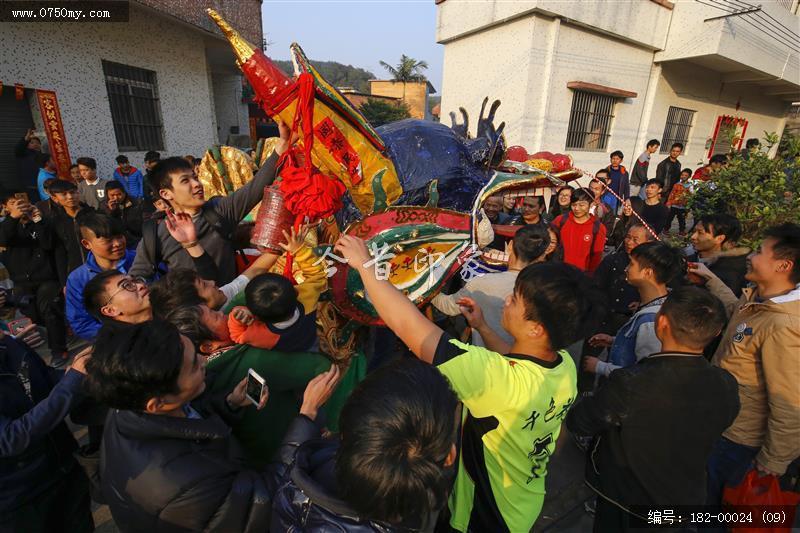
[
  {"x": 776, "y": 21},
  {"x": 787, "y": 41}
]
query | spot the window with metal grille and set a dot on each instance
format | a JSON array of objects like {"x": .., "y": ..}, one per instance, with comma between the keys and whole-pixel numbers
[
  {"x": 590, "y": 121},
  {"x": 135, "y": 110},
  {"x": 676, "y": 130}
]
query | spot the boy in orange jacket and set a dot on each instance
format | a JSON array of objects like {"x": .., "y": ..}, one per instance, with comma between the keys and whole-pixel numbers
[
  {"x": 677, "y": 201},
  {"x": 279, "y": 315}
]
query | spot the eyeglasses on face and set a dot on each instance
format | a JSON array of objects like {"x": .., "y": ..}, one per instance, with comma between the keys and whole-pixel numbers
[{"x": 130, "y": 284}]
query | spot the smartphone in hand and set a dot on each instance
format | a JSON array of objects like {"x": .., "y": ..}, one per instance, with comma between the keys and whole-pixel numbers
[{"x": 255, "y": 387}]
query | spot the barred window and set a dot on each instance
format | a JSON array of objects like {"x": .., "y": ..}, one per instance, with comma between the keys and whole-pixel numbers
[
  {"x": 135, "y": 110},
  {"x": 676, "y": 130},
  {"x": 590, "y": 121}
]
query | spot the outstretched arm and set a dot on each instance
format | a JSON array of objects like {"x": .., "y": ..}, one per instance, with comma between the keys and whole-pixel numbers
[{"x": 398, "y": 312}]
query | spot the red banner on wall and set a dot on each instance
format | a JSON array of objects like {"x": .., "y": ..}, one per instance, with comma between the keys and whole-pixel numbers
[{"x": 51, "y": 116}]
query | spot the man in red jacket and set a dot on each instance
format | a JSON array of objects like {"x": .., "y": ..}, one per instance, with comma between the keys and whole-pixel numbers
[{"x": 581, "y": 236}]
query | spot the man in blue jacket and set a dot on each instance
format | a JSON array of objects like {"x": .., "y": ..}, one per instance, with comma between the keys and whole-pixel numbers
[
  {"x": 104, "y": 238},
  {"x": 130, "y": 176},
  {"x": 43, "y": 488}
]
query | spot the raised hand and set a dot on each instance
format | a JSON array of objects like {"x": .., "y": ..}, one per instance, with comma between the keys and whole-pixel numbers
[
  {"x": 318, "y": 391},
  {"x": 181, "y": 227},
  {"x": 354, "y": 251},
  {"x": 472, "y": 312},
  {"x": 295, "y": 239}
]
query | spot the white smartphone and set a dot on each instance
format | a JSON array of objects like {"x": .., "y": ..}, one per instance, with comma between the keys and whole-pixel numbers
[{"x": 255, "y": 386}]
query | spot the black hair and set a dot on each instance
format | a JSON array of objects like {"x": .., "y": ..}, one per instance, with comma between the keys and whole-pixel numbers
[
  {"x": 176, "y": 289},
  {"x": 722, "y": 224},
  {"x": 42, "y": 158},
  {"x": 87, "y": 162},
  {"x": 653, "y": 142},
  {"x": 101, "y": 224},
  {"x": 687, "y": 170},
  {"x": 719, "y": 158},
  {"x": 95, "y": 295},
  {"x": 197, "y": 161},
  {"x": 159, "y": 178},
  {"x": 530, "y": 242},
  {"x": 676, "y": 145},
  {"x": 189, "y": 321},
  {"x": 667, "y": 263},
  {"x": 397, "y": 429},
  {"x": 695, "y": 316},
  {"x": 114, "y": 184},
  {"x": 152, "y": 155},
  {"x": 601, "y": 171},
  {"x": 787, "y": 246},
  {"x": 74, "y": 165},
  {"x": 654, "y": 181},
  {"x": 562, "y": 299},
  {"x": 131, "y": 365},
  {"x": 122, "y": 159},
  {"x": 617, "y": 153},
  {"x": 62, "y": 186},
  {"x": 8, "y": 194},
  {"x": 580, "y": 195},
  {"x": 46, "y": 184},
  {"x": 271, "y": 297},
  {"x": 751, "y": 143}
]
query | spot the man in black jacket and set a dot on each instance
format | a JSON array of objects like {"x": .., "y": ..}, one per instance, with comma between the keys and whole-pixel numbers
[
  {"x": 215, "y": 220},
  {"x": 69, "y": 253},
  {"x": 128, "y": 210},
  {"x": 390, "y": 470},
  {"x": 43, "y": 488},
  {"x": 27, "y": 152},
  {"x": 658, "y": 420},
  {"x": 29, "y": 243},
  {"x": 715, "y": 239},
  {"x": 168, "y": 459},
  {"x": 668, "y": 172}
]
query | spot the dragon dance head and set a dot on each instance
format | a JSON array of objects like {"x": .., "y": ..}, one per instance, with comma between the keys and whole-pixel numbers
[{"x": 414, "y": 188}]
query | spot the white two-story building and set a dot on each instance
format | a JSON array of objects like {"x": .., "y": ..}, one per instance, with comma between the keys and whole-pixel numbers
[{"x": 587, "y": 77}]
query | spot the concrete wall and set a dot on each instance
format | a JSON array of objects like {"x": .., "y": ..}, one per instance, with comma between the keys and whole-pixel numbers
[
  {"x": 527, "y": 63},
  {"x": 685, "y": 85},
  {"x": 229, "y": 109},
  {"x": 67, "y": 58}
]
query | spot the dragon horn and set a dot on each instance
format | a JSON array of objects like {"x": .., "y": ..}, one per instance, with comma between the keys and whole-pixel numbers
[{"x": 243, "y": 49}]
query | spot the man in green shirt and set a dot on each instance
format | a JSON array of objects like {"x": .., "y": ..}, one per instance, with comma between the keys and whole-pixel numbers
[{"x": 516, "y": 396}]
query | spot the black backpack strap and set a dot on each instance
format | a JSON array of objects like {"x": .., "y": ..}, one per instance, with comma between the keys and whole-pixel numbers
[{"x": 218, "y": 223}]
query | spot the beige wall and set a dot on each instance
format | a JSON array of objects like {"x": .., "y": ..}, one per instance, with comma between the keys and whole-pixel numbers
[{"x": 414, "y": 94}]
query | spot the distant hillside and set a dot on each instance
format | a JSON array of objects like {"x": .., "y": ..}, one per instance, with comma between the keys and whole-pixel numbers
[{"x": 337, "y": 74}]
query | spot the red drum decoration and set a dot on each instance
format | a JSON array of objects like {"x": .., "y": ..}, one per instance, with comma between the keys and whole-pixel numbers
[{"x": 272, "y": 220}]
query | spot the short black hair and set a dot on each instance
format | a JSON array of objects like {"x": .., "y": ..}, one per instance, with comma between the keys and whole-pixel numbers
[
  {"x": 87, "y": 162},
  {"x": 530, "y": 242},
  {"x": 271, "y": 297},
  {"x": 602, "y": 171},
  {"x": 122, "y": 159},
  {"x": 101, "y": 224},
  {"x": 189, "y": 321},
  {"x": 719, "y": 158},
  {"x": 695, "y": 316},
  {"x": 74, "y": 165},
  {"x": 62, "y": 186},
  {"x": 95, "y": 294},
  {"x": 561, "y": 298},
  {"x": 48, "y": 183},
  {"x": 197, "y": 161},
  {"x": 42, "y": 158},
  {"x": 787, "y": 245},
  {"x": 152, "y": 155},
  {"x": 722, "y": 224},
  {"x": 653, "y": 142},
  {"x": 617, "y": 153},
  {"x": 580, "y": 195},
  {"x": 667, "y": 262},
  {"x": 131, "y": 365},
  {"x": 397, "y": 429},
  {"x": 8, "y": 194},
  {"x": 160, "y": 178},
  {"x": 676, "y": 145},
  {"x": 654, "y": 181},
  {"x": 175, "y": 289},
  {"x": 114, "y": 184},
  {"x": 687, "y": 171},
  {"x": 751, "y": 143}
]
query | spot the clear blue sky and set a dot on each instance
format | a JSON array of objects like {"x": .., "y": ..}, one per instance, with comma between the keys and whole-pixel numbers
[{"x": 356, "y": 32}]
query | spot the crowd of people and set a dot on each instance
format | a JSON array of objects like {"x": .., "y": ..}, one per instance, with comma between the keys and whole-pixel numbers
[{"x": 676, "y": 370}]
